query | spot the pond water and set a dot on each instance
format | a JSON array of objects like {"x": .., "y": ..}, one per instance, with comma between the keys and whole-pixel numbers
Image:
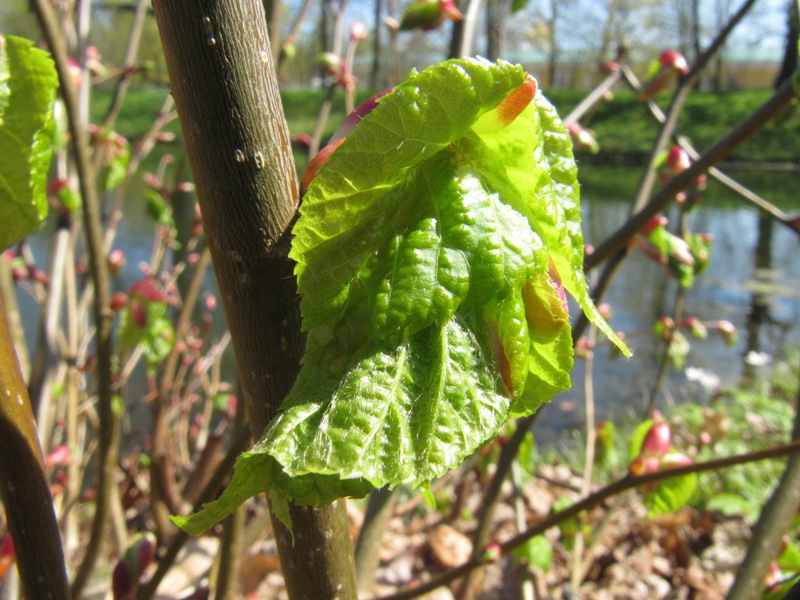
[
  {"x": 747, "y": 262},
  {"x": 751, "y": 263}
]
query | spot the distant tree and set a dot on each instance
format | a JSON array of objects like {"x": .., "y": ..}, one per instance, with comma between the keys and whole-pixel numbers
[{"x": 497, "y": 14}]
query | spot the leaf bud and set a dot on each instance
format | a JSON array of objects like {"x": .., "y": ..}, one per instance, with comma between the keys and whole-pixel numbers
[{"x": 658, "y": 440}]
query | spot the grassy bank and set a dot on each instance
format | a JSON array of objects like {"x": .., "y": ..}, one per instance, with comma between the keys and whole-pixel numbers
[
  {"x": 624, "y": 128},
  {"x": 626, "y": 131}
]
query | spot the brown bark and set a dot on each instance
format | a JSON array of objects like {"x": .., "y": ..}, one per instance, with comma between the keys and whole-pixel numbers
[{"x": 225, "y": 88}]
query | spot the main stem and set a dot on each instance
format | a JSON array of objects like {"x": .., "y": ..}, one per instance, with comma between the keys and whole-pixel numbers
[{"x": 225, "y": 88}]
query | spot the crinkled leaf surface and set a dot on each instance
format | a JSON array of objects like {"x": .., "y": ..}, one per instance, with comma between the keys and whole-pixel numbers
[
  {"x": 431, "y": 253},
  {"x": 28, "y": 83}
]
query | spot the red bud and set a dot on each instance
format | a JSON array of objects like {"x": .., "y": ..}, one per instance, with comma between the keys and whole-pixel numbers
[
  {"x": 672, "y": 59},
  {"x": 116, "y": 261},
  {"x": 316, "y": 163},
  {"x": 678, "y": 160},
  {"x": 658, "y": 440}
]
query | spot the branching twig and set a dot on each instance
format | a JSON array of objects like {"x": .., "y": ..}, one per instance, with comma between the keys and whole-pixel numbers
[
  {"x": 614, "y": 246},
  {"x": 483, "y": 531},
  {"x": 108, "y": 432},
  {"x": 621, "y": 485},
  {"x": 241, "y": 439},
  {"x": 747, "y": 194},
  {"x": 593, "y": 97},
  {"x": 725, "y": 146},
  {"x": 128, "y": 63}
]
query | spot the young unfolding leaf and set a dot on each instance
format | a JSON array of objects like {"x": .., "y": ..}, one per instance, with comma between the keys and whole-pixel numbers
[{"x": 433, "y": 251}]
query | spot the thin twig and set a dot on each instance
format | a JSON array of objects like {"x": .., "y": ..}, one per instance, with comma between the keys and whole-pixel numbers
[
  {"x": 482, "y": 535},
  {"x": 724, "y": 147},
  {"x": 129, "y": 62},
  {"x": 746, "y": 193},
  {"x": 593, "y": 97},
  {"x": 578, "y": 560},
  {"x": 239, "y": 442},
  {"x": 621, "y": 485},
  {"x": 108, "y": 432}
]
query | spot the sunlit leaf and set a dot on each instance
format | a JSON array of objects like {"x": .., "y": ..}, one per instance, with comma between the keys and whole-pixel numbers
[
  {"x": 433, "y": 251},
  {"x": 28, "y": 83}
]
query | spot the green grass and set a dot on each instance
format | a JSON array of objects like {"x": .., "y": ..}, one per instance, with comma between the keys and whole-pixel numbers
[{"x": 626, "y": 131}]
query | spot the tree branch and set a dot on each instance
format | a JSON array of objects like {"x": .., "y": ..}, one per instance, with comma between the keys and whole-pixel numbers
[{"x": 25, "y": 491}]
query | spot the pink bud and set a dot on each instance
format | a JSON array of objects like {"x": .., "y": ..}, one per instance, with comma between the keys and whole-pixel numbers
[
  {"x": 56, "y": 185},
  {"x": 58, "y": 457},
  {"x": 148, "y": 290},
  {"x": 583, "y": 139},
  {"x": 610, "y": 66},
  {"x": 232, "y": 402},
  {"x": 211, "y": 301},
  {"x": 300, "y": 141},
  {"x": 37, "y": 275},
  {"x": 605, "y": 311},
  {"x": 332, "y": 63},
  {"x": 116, "y": 261},
  {"x": 166, "y": 137},
  {"x": 664, "y": 327},
  {"x": 392, "y": 23},
  {"x": 122, "y": 581},
  {"x": 728, "y": 331},
  {"x": 88, "y": 364},
  {"x": 658, "y": 440},
  {"x": 678, "y": 160},
  {"x": 358, "y": 31},
  {"x": 673, "y": 59},
  {"x": 450, "y": 10},
  {"x": 582, "y": 347},
  {"x": 696, "y": 327},
  {"x": 74, "y": 70}
]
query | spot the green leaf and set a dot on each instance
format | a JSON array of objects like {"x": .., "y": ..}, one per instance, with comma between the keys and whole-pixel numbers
[
  {"x": 789, "y": 560},
  {"x": 159, "y": 339},
  {"x": 729, "y": 505},
  {"x": 431, "y": 252},
  {"x": 671, "y": 494},
  {"x": 637, "y": 439},
  {"x": 517, "y": 5},
  {"x": 400, "y": 414},
  {"x": 115, "y": 169},
  {"x": 537, "y": 553},
  {"x": 28, "y": 83}
]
